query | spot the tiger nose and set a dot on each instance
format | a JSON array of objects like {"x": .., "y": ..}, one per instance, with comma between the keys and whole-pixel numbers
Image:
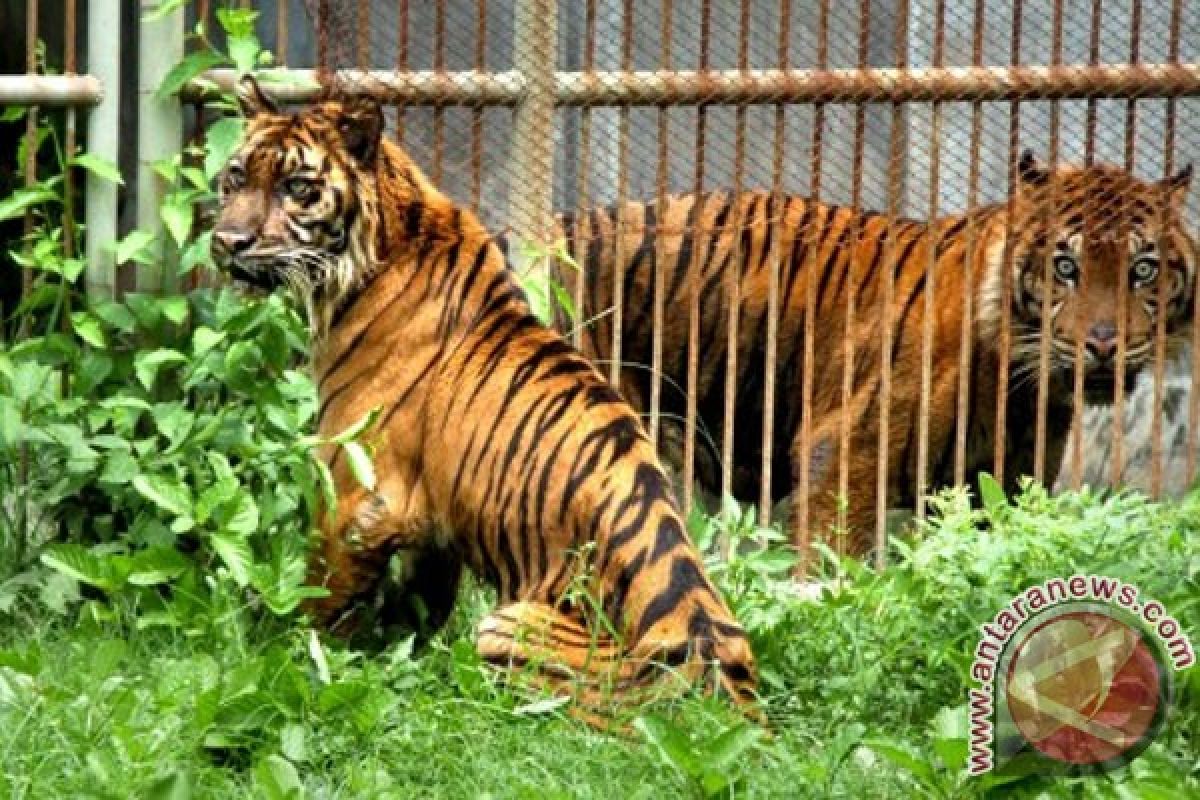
[
  {"x": 1101, "y": 342},
  {"x": 233, "y": 241}
]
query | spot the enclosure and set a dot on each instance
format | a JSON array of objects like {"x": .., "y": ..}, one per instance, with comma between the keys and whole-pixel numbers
[{"x": 905, "y": 112}]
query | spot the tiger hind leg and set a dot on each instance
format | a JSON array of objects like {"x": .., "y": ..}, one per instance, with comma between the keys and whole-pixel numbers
[{"x": 556, "y": 652}]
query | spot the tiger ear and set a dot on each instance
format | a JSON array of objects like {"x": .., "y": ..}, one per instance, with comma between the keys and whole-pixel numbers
[
  {"x": 252, "y": 100},
  {"x": 1177, "y": 186},
  {"x": 1030, "y": 171},
  {"x": 361, "y": 127}
]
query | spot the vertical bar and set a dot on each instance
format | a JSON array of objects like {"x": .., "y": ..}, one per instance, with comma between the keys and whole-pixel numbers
[
  {"x": 282, "y": 10},
  {"x": 1160, "y": 328},
  {"x": 477, "y": 112},
  {"x": 733, "y": 276},
  {"x": 534, "y": 50},
  {"x": 693, "y": 348},
  {"x": 620, "y": 223},
  {"x": 70, "y": 66},
  {"x": 439, "y": 111},
  {"x": 1077, "y": 402},
  {"x": 362, "y": 30},
  {"x": 1047, "y": 332},
  {"x": 927, "y": 320},
  {"x": 401, "y": 61},
  {"x": 887, "y": 299},
  {"x": 659, "y": 237},
  {"x": 583, "y": 231},
  {"x": 1014, "y": 132},
  {"x": 324, "y": 15},
  {"x": 31, "y": 126},
  {"x": 103, "y": 136},
  {"x": 962, "y": 418},
  {"x": 1118, "y": 428},
  {"x": 160, "y": 133},
  {"x": 804, "y": 545},
  {"x": 773, "y": 257},
  {"x": 860, "y": 125},
  {"x": 1192, "y": 436}
]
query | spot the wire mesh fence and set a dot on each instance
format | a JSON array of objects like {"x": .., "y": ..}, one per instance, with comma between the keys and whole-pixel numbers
[{"x": 809, "y": 247}]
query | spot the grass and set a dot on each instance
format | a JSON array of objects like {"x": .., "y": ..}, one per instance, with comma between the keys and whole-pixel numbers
[{"x": 865, "y": 689}]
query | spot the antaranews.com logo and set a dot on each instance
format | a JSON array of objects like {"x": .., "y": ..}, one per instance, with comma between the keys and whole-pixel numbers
[{"x": 1076, "y": 673}]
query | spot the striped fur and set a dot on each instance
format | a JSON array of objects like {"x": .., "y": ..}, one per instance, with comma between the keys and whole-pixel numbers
[
  {"x": 1101, "y": 220},
  {"x": 498, "y": 447}
]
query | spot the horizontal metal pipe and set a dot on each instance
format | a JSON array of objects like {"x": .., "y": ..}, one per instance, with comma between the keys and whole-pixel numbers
[
  {"x": 725, "y": 87},
  {"x": 50, "y": 90},
  {"x": 393, "y": 87}
]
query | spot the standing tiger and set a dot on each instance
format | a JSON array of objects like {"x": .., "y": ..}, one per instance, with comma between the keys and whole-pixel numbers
[
  {"x": 497, "y": 445},
  {"x": 1100, "y": 222}
]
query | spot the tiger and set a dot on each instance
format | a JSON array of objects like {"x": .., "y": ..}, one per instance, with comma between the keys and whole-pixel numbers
[
  {"x": 1068, "y": 220},
  {"x": 497, "y": 447}
]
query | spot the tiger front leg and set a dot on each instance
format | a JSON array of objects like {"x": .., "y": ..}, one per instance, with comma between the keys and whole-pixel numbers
[
  {"x": 844, "y": 520},
  {"x": 352, "y": 556}
]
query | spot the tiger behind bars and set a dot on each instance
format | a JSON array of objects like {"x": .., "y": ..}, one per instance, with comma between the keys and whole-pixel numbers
[
  {"x": 1091, "y": 227},
  {"x": 497, "y": 446}
]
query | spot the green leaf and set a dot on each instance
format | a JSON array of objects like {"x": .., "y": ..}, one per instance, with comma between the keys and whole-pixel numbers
[
  {"x": 192, "y": 65},
  {"x": 147, "y": 365},
  {"x": 244, "y": 50},
  {"x": 99, "y": 166},
  {"x": 245, "y": 518},
  {"x": 671, "y": 743},
  {"x": 134, "y": 247},
  {"x": 317, "y": 653},
  {"x": 900, "y": 755},
  {"x": 174, "y": 308},
  {"x": 163, "y": 9},
  {"x": 235, "y": 553},
  {"x": 166, "y": 493},
  {"x": 992, "y": 493},
  {"x": 353, "y": 432},
  {"x": 722, "y": 752},
  {"x": 156, "y": 566},
  {"x": 176, "y": 213},
  {"x": 22, "y": 200},
  {"x": 79, "y": 563},
  {"x": 546, "y": 705},
  {"x": 205, "y": 339},
  {"x": 221, "y": 140},
  {"x": 88, "y": 328},
  {"x": 360, "y": 465}
]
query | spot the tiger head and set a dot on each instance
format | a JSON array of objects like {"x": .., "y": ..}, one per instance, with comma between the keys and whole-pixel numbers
[
  {"x": 300, "y": 199},
  {"x": 1094, "y": 229}
]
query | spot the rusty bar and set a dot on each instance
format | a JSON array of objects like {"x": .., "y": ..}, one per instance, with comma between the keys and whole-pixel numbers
[
  {"x": 845, "y": 423},
  {"x": 1118, "y": 408},
  {"x": 733, "y": 276},
  {"x": 477, "y": 113},
  {"x": 401, "y": 62},
  {"x": 323, "y": 62},
  {"x": 811, "y": 246},
  {"x": 736, "y": 87},
  {"x": 1192, "y": 435},
  {"x": 584, "y": 232},
  {"x": 50, "y": 91},
  {"x": 618, "y": 276},
  {"x": 887, "y": 298},
  {"x": 439, "y": 112},
  {"x": 532, "y": 154},
  {"x": 693, "y": 349},
  {"x": 777, "y": 247},
  {"x": 660, "y": 193},
  {"x": 362, "y": 29},
  {"x": 1160, "y": 328},
  {"x": 927, "y": 320},
  {"x": 966, "y": 343},
  {"x": 1046, "y": 333},
  {"x": 1077, "y": 401},
  {"x": 31, "y": 140},
  {"x": 1014, "y": 133},
  {"x": 70, "y": 67},
  {"x": 282, "y": 9}
]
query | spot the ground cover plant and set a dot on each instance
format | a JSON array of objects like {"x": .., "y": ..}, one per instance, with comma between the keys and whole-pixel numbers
[{"x": 157, "y": 490}]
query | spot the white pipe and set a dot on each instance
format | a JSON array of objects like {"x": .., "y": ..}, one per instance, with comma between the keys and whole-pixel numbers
[
  {"x": 160, "y": 132},
  {"x": 103, "y": 136}
]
